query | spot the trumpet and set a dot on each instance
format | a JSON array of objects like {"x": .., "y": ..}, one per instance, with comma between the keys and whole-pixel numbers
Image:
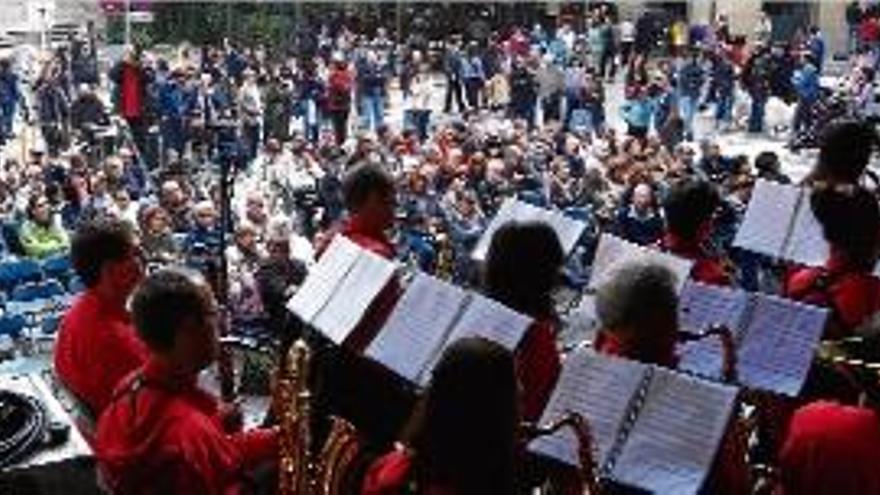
[{"x": 588, "y": 474}]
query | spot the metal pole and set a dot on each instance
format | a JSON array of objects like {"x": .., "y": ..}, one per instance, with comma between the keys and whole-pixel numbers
[{"x": 127, "y": 22}]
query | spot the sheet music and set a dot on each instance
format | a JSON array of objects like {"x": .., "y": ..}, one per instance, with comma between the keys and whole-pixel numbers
[
  {"x": 700, "y": 307},
  {"x": 487, "y": 318},
  {"x": 598, "y": 387},
  {"x": 779, "y": 345},
  {"x": 418, "y": 326},
  {"x": 768, "y": 218},
  {"x": 352, "y": 297},
  {"x": 807, "y": 243},
  {"x": 506, "y": 212},
  {"x": 672, "y": 444},
  {"x": 323, "y": 278},
  {"x": 567, "y": 229},
  {"x": 614, "y": 252}
]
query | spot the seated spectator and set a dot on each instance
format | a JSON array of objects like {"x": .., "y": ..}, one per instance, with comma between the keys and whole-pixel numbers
[
  {"x": 41, "y": 235},
  {"x": 97, "y": 345},
  {"x": 527, "y": 286},
  {"x": 689, "y": 209},
  {"x": 174, "y": 201},
  {"x": 639, "y": 219},
  {"x": 160, "y": 431},
  {"x": 124, "y": 208},
  {"x": 768, "y": 167},
  {"x": 462, "y": 438},
  {"x": 203, "y": 239},
  {"x": 850, "y": 222},
  {"x": 157, "y": 240}
]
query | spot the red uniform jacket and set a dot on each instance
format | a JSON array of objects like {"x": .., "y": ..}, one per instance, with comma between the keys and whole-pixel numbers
[
  {"x": 392, "y": 474},
  {"x": 832, "y": 449},
  {"x": 96, "y": 348},
  {"x": 538, "y": 366},
  {"x": 164, "y": 435},
  {"x": 707, "y": 269},
  {"x": 852, "y": 294}
]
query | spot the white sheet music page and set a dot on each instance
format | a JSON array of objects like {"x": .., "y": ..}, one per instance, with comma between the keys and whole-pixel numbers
[
  {"x": 807, "y": 243},
  {"x": 598, "y": 387},
  {"x": 418, "y": 326},
  {"x": 768, "y": 218},
  {"x": 700, "y": 307},
  {"x": 353, "y": 296},
  {"x": 584, "y": 318},
  {"x": 568, "y": 230},
  {"x": 487, "y": 318},
  {"x": 779, "y": 345},
  {"x": 323, "y": 278},
  {"x": 508, "y": 210},
  {"x": 614, "y": 252},
  {"x": 671, "y": 447}
]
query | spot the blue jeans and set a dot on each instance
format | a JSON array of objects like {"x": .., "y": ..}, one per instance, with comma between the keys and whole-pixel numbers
[
  {"x": 8, "y": 115},
  {"x": 372, "y": 111},
  {"x": 756, "y": 115},
  {"x": 724, "y": 107},
  {"x": 688, "y": 107}
]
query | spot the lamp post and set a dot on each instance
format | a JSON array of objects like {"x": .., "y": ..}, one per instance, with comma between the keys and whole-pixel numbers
[{"x": 127, "y": 13}]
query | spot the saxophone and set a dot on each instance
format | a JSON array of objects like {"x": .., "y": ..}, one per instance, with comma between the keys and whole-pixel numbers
[
  {"x": 588, "y": 479},
  {"x": 300, "y": 471}
]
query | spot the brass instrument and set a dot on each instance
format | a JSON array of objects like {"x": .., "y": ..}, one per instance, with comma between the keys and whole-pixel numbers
[
  {"x": 445, "y": 267},
  {"x": 300, "y": 472},
  {"x": 588, "y": 474}
]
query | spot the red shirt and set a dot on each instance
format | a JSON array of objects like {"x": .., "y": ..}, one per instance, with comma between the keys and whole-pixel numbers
[
  {"x": 538, "y": 366},
  {"x": 392, "y": 474},
  {"x": 164, "y": 435},
  {"x": 832, "y": 449},
  {"x": 131, "y": 104},
  {"x": 376, "y": 242},
  {"x": 96, "y": 347},
  {"x": 852, "y": 293},
  {"x": 707, "y": 269}
]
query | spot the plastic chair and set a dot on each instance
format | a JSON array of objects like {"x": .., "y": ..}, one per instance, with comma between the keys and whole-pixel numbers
[
  {"x": 12, "y": 325},
  {"x": 50, "y": 324},
  {"x": 76, "y": 285},
  {"x": 17, "y": 272},
  {"x": 50, "y": 288},
  {"x": 58, "y": 267},
  {"x": 27, "y": 292}
]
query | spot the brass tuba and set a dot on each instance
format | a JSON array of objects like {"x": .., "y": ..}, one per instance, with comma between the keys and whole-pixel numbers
[{"x": 300, "y": 471}]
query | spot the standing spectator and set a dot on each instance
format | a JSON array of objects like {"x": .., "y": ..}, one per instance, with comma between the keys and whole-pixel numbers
[
  {"x": 250, "y": 106},
  {"x": 419, "y": 111},
  {"x": 523, "y": 93},
  {"x": 172, "y": 110},
  {"x": 10, "y": 94},
  {"x": 637, "y": 111},
  {"x": 627, "y": 34},
  {"x": 551, "y": 83},
  {"x": 724, "y": 77},
  {"x": 53, "y": 109},
  {"x": 806, "y": 85},
  {"x": 371, "y": 87},
  {"x": 130, "y": 93},
  {"x": 310, "y": 89},
  {"x": 690, "y": 84},
  {"x": 473, "y": 75},
  {"x": 756, "y": 79},
  {"x": 452, "y": 68},
  {"x": 338, "y": 98},
  {"x": 816, "y": 47}
]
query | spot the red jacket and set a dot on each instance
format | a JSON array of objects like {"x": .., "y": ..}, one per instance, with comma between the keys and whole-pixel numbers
[
  {"x": 538, "y": 366},
  {"x": 832, "y": 449},
  {"x": 851, "y": 293},
  {"x": 392, "y": 474},
  {"x": 164, "y": 435},
  {"x": 707, "y": 269},
  {"x": 96, "y": 348}
]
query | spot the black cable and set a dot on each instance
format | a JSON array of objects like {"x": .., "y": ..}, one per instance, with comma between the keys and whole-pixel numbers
[{"x": 23, "y": 423}]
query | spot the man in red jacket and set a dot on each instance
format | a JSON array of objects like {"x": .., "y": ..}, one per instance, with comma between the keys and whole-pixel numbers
[
  {"x": 161, "y": 433},
  {"x": 689, "y": 209},
  {"x": 96, "y": 345}
]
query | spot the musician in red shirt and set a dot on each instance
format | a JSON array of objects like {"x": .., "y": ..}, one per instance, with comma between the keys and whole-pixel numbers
[
  {"x": 161, "y": 433},
  {"x": 850, "y": 220},
  {"x": 463, "y": 438},
  {"x": 522, "y": 268},
  {"x": 97, "y": 345},
  {"x": 689, "y": 209},
  {"x": 832, "y": 449},
  {"x": 638, "y": 314}
]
